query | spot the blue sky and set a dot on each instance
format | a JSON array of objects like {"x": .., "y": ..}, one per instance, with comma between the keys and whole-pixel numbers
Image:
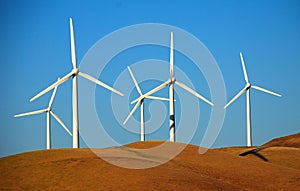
[{"x": 35, "y": 50}]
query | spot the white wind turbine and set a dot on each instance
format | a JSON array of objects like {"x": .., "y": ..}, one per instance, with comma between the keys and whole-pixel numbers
[
  {"x": 171, "y": 81},
  {"x": 48, "y": 112},
  {"x": 140, "y": 103},
  {"x": 74, "y": 75},
  {"x": 247, "y": 89}
]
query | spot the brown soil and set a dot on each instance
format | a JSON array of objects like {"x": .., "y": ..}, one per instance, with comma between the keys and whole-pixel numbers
[{"x": 217, "y": 169}]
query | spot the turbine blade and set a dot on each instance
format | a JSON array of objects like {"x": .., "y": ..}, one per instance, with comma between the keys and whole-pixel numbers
[
  {"x": 193, "y": 92},
  {"x": 65, "y": 78},
  {"x": 53, "y": 95},
  {"x": 73, "y": 51},
  {"x": 158, "y": 98},
  {"x": 266, "y": 91},
  {"x": 135, "y": 82},
  {"x": 244, "y": 68},
  {"x": 132, "y": 111},
  {"x": 171, "y": 56},
  {"x": 152, "y": 91},
  {"x": 99, "y": 83},
  {"x": 31, "y": 113},
  {"x": 60, "y": 122},
  {"x": 235, "y": 97}
]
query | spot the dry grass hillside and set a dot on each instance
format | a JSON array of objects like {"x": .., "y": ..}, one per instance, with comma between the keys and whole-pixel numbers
[
  {"x": 217, "y": 169},
  {"x": 287, "y": 141},
  {"x": 284, "y": 151}
]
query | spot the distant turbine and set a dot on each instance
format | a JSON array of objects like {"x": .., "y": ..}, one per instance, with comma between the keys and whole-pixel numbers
[
  {"x": 140, "y": 103},
  {"x": 247, "y": 89},
  {"x": 74, "y": 74},
  {"x": 171, "y": 83},
  {"x": 48, "y": 111}
]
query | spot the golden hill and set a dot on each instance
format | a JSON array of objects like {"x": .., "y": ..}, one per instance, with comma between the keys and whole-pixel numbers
[
  {"x": 287, "y": 141},
  {"x": 284, "y": 151},
  {"x": 82, "y": 169}
]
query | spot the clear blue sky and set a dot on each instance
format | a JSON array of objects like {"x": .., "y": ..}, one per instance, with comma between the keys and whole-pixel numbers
[{"x": 35, "y": 50}]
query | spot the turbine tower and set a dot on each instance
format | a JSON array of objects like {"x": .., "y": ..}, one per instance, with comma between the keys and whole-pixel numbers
[
  {"x": 247, "y": 88},
  {"x": 140, "y": 103},
  {"x": 171, "y": 81},
  {"x": 48, "y": 112},
  {"x": 74, "y": 75}
]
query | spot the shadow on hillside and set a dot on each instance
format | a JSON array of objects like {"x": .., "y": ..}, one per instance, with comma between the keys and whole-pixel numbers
[{"x": 256, "y": 153}]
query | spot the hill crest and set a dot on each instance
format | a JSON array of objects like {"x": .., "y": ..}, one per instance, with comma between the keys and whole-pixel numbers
[
  {"x": 286, "y": 141},
  {"x": 82, "y": 169}
]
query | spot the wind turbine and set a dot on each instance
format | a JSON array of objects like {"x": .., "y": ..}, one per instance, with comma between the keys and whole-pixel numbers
[
  {"x": 74, "y": 75},
  {"x": 247, "y": 88},
  {"x": 171, "y": 81},
  {"x": 140, "y": 103},
  {"x": 48, "y": 112}
]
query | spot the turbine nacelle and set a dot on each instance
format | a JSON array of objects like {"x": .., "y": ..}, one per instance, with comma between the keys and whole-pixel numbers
[
  {"x": 248, "y": 86},
  {"x": 172, "y": 80},
  {"x": 75, "y": 72}
]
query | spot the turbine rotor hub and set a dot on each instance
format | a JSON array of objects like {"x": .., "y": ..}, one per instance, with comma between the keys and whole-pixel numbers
[
  {"x": 141, "y": 98},
  {"x": 248, "y": 86},
  {"x": 75, "y": 71},
  {"x": 173, "y": 80}
]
